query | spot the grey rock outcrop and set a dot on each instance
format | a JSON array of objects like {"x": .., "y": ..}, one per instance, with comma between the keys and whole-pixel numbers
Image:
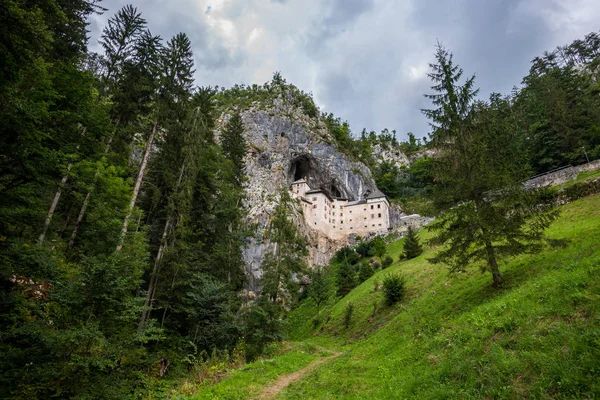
[
  {"x": 285, "y": 145},
  {"x": 390, "y": 154}
]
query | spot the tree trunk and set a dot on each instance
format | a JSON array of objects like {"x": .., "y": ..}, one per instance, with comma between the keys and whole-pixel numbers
[
  {"x": 493, "y": 264},
  {"x": 53, "y": 205},
  {"x": 86, "y": 201},
  {"x": 138, "y": 184},
  {"x": 153, "y": 277},
  {"x": 57, "y": 196}
]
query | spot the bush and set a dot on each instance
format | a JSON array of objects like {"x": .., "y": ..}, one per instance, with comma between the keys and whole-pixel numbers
[
  {"x": 365, "y": 272},
  {"x": 346, "y": 254},
  {"x": 393, "y": 288},
  {"x": 412, "y": 246},
  {"x": 348, "y": 315},
  {"x": 386, "y": 262},
  {"x": 346, "y": 278}
]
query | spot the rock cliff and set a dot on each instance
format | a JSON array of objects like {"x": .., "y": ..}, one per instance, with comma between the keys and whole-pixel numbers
[{"x": 284, "y": 145}]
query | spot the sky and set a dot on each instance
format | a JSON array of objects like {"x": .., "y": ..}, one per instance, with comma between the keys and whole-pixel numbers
[{"x": 364, "y": 60}]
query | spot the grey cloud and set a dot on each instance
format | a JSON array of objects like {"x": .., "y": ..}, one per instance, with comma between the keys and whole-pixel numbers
[
  {"x": 337, "y": 17},
  {"x": 209, "y": 51},
  {"x": 365, "y": 60}
]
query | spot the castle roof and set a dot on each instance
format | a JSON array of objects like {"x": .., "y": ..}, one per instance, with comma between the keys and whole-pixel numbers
[
  {"x": 315, "y": 191},
  {"x": 354, "y": 203},
  {"x": 375, "y": 194}
]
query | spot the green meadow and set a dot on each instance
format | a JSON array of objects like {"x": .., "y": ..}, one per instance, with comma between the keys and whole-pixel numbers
[{"x": 452, "y": 336}]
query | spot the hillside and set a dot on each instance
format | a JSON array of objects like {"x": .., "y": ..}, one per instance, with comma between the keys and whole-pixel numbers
[{"x": 453, "y": 336}]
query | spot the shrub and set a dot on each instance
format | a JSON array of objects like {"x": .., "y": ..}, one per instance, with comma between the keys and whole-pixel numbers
[
  {"x": 412, "y": 246},
  {"x": 378, "y": 246},
  {"x": 345, "y": 278},
  {"x": 348, "y": 313},
  {"x": 386, "y": 262},
  {"x": 393, "y": 288},
  {"x": 365, "y": 272},
  {"x": 346, "y": 254}
]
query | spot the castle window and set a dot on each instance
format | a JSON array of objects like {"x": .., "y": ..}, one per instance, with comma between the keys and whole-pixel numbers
[
  {"x": 372, "y": 215},
  {"x": 350, "y": 211},
  {"x": 341, "y": 222},
  {"x": 315, "y": 206},
  {"x": 314, "y": 199},
  {"x": 373, "y": 225},
  {"x": 378, "y": 205},
  {"x": 371, "y": 206},
  {"x": 379, "y": 224},
  {"x": 379, "y": 215}
]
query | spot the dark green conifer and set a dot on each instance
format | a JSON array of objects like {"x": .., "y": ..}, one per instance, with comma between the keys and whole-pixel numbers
[
  {"x": 412, "y": 246},
  {"x": 233, "y": 143}
]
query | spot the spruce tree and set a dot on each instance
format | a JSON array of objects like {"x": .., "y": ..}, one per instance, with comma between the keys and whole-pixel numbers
[
  {"x": 412, "y": 246},
  {"x": 486, "y": 212},
  {"x": 233, "y": 143},
  {"x": 319, "y": 289}
]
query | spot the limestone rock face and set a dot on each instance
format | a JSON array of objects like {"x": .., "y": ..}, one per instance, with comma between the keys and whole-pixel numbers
[
  {"x": 390, "y": 155},
  {"x": 285, "y": 145}
]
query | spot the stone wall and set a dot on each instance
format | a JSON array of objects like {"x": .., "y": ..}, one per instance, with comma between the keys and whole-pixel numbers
[{"x": 560, "y": 176}]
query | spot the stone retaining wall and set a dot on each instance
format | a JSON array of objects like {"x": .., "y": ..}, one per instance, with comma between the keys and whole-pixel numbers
[{"x": 560, "y": 176}]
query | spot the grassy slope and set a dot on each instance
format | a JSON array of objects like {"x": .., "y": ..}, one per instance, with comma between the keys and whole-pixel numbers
[
  {"x": 248, "y": 381},
  {"x": 453, "y": 336}
]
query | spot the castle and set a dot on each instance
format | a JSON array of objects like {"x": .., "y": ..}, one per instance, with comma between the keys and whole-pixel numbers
[{"x": 337, "y": 217}]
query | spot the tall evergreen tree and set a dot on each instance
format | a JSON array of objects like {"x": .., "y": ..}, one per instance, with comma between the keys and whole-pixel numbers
[
  {"x": 234, "y": 144},
  {"x": 488, "y": 214},
  {"x": 286, "y": 261},
  {"x": 412, "y": 247}
]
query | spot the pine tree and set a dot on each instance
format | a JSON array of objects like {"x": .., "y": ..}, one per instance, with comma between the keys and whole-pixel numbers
[
  {"x": 487, "y": 214},
  {"x": 234, "y": 144},
  {"x": 287, "y": 260},
  {"x": 319, "y": 289},
  {"x": 412, "y": 246}
]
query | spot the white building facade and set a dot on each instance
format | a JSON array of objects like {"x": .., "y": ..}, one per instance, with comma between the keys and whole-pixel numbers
[{"x": 338, "y": 218}]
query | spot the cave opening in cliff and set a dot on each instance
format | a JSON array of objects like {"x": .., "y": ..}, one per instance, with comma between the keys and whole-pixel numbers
[
  {"x": 335, "y": 192},
  {"x": 302, "y": 167}
]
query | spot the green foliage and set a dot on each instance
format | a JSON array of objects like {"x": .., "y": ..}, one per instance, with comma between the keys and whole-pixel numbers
[
  {"x": 346, "y": 254},
  {"x": 365, "y": 271},
  {"x": 412, "y": 244},
  {"x": 488, "y": 213},
  {"x": 345, "y": 278},
  {"x": 320, "y": 289},
  {"x": 386, "y": 262},
  {"x": 378, "y": 247},
  {"x": 393, "y": 288},
  {"x": 348, "y": 313},
  {"x": 234, "y": 145}
]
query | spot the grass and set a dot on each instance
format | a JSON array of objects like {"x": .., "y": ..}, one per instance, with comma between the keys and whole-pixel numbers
[
  {"x": 454, "y": 336},
  {"x": 248, "y": 381},
  {"x": 582, "y": 177}
]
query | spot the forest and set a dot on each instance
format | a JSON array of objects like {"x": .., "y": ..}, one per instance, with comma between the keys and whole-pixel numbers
[{"x": 121, "y": 217}]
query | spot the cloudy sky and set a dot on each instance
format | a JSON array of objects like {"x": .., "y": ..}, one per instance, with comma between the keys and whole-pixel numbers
[{"x": 364, "y": 60}]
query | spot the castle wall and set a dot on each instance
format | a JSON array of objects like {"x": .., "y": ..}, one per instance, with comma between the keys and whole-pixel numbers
[{"x": 338, "y": 218}]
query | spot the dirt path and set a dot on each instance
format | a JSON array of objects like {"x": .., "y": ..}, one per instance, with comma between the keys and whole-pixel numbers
[{"x": 271, "y": 391}]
